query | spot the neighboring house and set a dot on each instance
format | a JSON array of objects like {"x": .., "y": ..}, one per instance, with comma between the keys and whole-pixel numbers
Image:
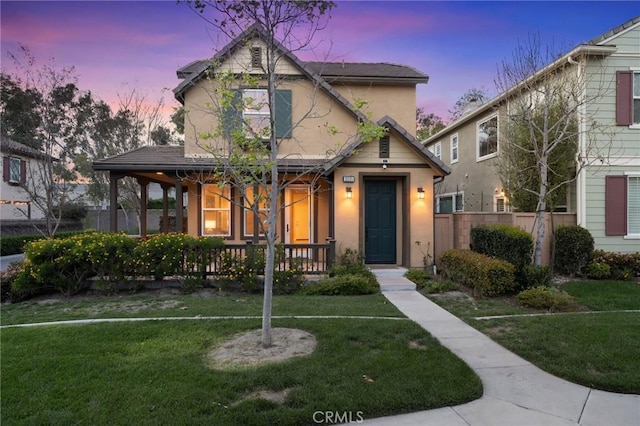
[
  {"x": 376, "y": 198},
  {"x": 17, "y": 160},
  {"x": 606, "y": 194}
]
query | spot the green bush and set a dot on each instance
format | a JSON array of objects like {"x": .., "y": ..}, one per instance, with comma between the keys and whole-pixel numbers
[
  {"x": 489, "y": 276},
  {"x": 342, "y": 285},
  {"x": 533, "y": 275},
  {"x": 73, "y": 211},
  {"x": 550, "y": 298},
  {"x": 573, "y": 249},
  {"x": 419, "y": 277},
  {"x": 16, "y": 244},
  {"x": 505, "y": 242},
  {"x": 623, "y": 266},
  {"x": 7, "y": 279},
  {"x": 598, "y": 271},
  {"x": 442, "y": 286}
]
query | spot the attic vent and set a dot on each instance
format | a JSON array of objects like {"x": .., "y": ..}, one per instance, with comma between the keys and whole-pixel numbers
[
  {"x": 384, "y": 147},
  {"x": 256, "y": 57}
]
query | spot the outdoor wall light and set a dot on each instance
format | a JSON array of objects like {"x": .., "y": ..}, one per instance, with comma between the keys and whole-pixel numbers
[
  {"x": 420, "y": 193},
  {"x": 349, "y": 192}
]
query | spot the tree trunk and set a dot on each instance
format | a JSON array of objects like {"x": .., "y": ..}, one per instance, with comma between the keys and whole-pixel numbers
[
  {"x": 542, "y": 205},
  {"x": 268, "y": 294}
]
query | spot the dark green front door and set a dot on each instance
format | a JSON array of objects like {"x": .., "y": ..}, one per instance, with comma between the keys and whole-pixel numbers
[{"x": 380, "y": 221}]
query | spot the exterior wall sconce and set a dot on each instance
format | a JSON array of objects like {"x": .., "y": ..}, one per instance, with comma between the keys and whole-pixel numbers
[
  {"x": 420, "y": 193},
  {"x": 349, "y": 192}
]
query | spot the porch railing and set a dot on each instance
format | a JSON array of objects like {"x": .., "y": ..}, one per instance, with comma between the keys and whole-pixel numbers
[{"x": 308, "y": 258}]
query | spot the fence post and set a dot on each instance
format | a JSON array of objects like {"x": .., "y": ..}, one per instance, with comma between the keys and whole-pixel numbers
[{"x": 331, "y": 253}]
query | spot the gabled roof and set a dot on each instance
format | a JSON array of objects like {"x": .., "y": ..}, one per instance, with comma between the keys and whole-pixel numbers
[
  {"x": 196, "y": 71},
  {"x": 406, "y": 137},
  {"x": 592, "y": 47},
  {"x": 12, "y": 147}
]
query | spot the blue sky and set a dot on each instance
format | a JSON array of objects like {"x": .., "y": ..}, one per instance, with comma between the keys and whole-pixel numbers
[{"x": 116, "y": 45}]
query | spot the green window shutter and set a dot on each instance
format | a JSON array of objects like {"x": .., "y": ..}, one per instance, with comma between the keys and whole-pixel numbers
[
  {"x": 232, "y": 115},
  {"x": 283, "y": 114}
]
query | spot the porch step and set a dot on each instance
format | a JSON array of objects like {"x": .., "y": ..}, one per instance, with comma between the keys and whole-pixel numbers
[{"x": 393, "y": 279}]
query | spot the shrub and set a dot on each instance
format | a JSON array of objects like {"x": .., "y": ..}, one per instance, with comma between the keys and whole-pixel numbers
[
  {"x": 573, "y": 249},
  {"x": 342, "y": 285},
  {"x": 505, "y": 242},
  {"x": 443, "y": 286},
  {"x": 419, "y": 277},
  {"x": 16, "y": 244},
  {"x": 623, "y": 266},
  {"x": 533, "y": 275},
  {"x": 598, "y": 271},
  {"x": 541, "y": 297},
  {"x": 73, "y": 211},
  {"x": 489, "y": 276},
  {"x": 7, "y": 279}
]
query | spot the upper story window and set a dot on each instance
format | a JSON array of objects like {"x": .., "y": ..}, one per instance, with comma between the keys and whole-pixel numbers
[
  {"x": 436, "y": 149},
  {"x": 454, "y": 148},
  {"x": 250, "y": 108},
  {"x": 256, "y": 112},
  {"x": 487, "y": 138},
  {"x": 14, "y": 170},
  {"x": 216, "y": 210}
]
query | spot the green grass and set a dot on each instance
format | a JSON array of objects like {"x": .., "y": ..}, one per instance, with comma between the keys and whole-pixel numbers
[
  {"x": 598, "y": 350},
  {"x": 168, "y": 305},
  {"x": 156, "y": 373}
]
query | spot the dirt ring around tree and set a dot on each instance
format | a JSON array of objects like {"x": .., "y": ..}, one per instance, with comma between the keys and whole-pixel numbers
[{"x": 246, "y": 350}]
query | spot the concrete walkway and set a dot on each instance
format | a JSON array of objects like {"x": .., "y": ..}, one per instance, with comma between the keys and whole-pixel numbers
[{"x": 516, "y": 393}]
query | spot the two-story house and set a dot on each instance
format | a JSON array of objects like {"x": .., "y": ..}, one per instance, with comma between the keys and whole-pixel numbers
[
  {"x": 606, "y": 192},
  {"x": 17, "y": 161},
  {"x": 374, "y": 197}
]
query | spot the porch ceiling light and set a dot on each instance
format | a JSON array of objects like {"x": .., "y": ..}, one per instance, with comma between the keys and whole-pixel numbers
[
  {"x": 420, "y": 193},
  {"x": 349, "y": 192}
]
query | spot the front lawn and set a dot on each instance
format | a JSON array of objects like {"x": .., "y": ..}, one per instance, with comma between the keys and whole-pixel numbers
[
  {"x": 156, "y": 372},
  {"x": 591, "y": 347}
]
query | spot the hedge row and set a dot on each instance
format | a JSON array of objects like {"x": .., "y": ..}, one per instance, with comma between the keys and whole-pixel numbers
[
  {"x": 489, "y": 276},
  {"x": 15, "y": 244},
  {"x": 617, "y": 266},
  {"x": 505, "y": 242},
  {"x": 66, "y": 265}
]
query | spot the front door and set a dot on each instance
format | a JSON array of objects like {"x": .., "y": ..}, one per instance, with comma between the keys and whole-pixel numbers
[
  {"x": 380, "y": 221},
  {"x": 298, "y": 217}
]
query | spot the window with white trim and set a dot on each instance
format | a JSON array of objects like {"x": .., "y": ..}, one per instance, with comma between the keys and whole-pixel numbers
[
  {"x": 15, "y": 170},
  {"x": 487, "y": 138},
  {"x": 216, "y": 210},
  {"x": 256, "y": 111},
  {"x": 500, "y": 205},
  {"x": 251, "y": 202},
  {"x": 449, "y": 203},
  {"x": 633, "y": 205},
  {"x": 454, "y": 148}
]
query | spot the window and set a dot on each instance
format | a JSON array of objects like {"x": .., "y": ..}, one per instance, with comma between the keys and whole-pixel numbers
[
  {"x": 216, "y": 210},
  {"x": 256, "y": 112},
  {"x": 262, "y": 202},
  {"x": 14, "y": 170},
  {"x": 383, "y": 150},
  {"x": 438, "y": 150},
  {"x": 487, "y": 133},
  {"x": 454, "y": 148},
  {"x": 449, "y": 203},
  {"x": 251, "y": 106},
  {"x": 622, "y": 205},
  {"x": 628, "y": 98},
  {"x": 500, "y": 205}
]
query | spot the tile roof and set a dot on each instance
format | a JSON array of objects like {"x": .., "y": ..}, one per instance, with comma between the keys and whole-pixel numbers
[
  {"x": 381, "y": 70},
  {"x": 11, "y": 146}
]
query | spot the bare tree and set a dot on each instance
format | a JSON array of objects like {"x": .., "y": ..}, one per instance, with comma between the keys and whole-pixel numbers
[
  {"x": 246, "y": 147},
  {"x": 472, "y": 98},
  {"x": 543, "y": 123}
]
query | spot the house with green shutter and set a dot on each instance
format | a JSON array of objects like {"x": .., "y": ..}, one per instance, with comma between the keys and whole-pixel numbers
[
  {"x": 605, "y": 195},
  {"x": 375, "y": 197}
]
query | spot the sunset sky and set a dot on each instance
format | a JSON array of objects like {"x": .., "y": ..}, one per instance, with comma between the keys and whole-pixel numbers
[{"x": 117, "y": 45}]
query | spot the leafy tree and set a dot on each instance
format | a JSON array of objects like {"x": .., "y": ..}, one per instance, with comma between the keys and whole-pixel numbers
[
  {"x": 473, "y": 95},
  {"x": 177, "y": 118},
  {"x": 246, "y": 152},
  {"x": 161, "y": 135},
  {"x": 427, "y": 124},
  {"x": 43, "y": 108}
]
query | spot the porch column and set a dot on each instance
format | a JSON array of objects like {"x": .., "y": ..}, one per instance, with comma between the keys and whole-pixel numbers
[
  {"x": 113, "y": 201},
  {"x": 144, "y": 198},
  {"x": 179, "y": 206},
  {"x": 165, "y": 208}
]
